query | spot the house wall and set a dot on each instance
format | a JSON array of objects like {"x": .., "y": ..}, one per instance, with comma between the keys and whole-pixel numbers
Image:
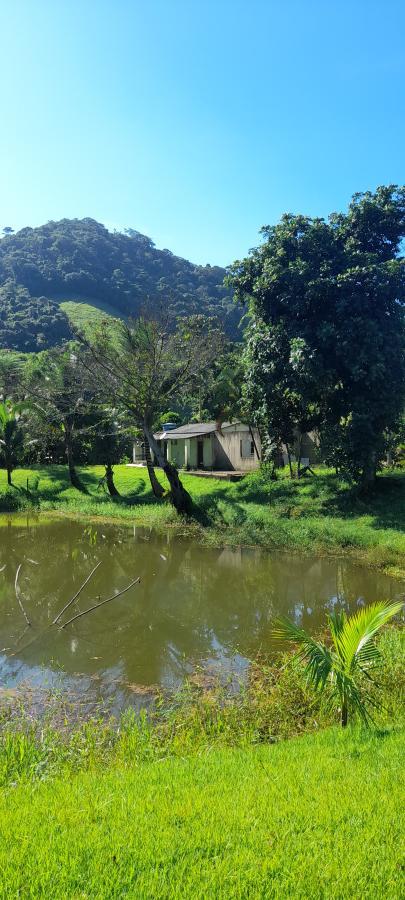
[
  {"x": 191, "y": 458},
  {"x": 221, "y": 450},
  {"x": 208, "y": 454},
  {"x": 309, "y": 450},
  {"x": 227, "y": 448},
  {"x": 184, "y": 452},
  {"x": 138, "y": 452},
  {"x": 176, "y": 453}
]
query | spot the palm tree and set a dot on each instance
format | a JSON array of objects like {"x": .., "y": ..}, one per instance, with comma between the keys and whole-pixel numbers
[
  {"x": 351, "y": 655},
  {"x": 11, "y": 436}
]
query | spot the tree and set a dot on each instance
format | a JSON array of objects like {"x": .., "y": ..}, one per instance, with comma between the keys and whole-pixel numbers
[
  {"x": 147, "y": 364},
  {"x": 328, "y": 298},
  {"x": 11, "y": 436},
  {"x": 108, "y": 442},
  {"x": 277, "y": 389},
  {"x": 351, "y": 656},
  {"x": 217, "y": 393},
  {"x": 11, "y": 373},
  {"x": 60, "y": 394}
]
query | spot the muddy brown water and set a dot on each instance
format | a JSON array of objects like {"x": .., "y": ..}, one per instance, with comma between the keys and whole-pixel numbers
[{"x": 195, "y": 607}]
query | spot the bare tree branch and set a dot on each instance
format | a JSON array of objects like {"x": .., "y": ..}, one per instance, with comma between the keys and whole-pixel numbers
[
  {"x": 18, "y": 595},
  {"x": 76, "y": 595},
  {"x": 97, "y": 605}
]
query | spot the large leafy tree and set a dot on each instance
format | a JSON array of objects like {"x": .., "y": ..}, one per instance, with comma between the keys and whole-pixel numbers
[
  {"x": 327, "y": 326},
  {"x": 278, "y": 388}
]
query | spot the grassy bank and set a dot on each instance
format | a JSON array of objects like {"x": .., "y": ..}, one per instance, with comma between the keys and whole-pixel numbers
[
  {"x": 206, "y": 799},
  {"x": 316, "y": 817},
  {"x": 320, "y": 514}
]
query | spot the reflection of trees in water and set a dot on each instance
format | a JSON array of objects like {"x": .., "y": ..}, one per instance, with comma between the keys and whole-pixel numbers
[{"x": 187, "y": 605}]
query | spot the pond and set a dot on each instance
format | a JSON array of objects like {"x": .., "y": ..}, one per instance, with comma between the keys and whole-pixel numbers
[{"x": 195, "y": 608}]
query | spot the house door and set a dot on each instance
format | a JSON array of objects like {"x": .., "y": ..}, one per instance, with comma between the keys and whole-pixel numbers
[{"x": 200, "y": 454}]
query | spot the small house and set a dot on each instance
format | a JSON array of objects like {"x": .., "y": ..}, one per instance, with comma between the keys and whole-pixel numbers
[{"x": 225, "y": 446}]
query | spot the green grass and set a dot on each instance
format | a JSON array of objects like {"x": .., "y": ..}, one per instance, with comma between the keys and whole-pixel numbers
[
  {"x": 204, "y": 800},
  {"x": 83, "y": 315},
  {"x": 320, "y": 515},
  {"x": 315, "y": 817}
]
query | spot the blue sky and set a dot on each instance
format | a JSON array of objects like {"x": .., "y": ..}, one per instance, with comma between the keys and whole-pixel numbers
[{"x": 197, "y": 121}]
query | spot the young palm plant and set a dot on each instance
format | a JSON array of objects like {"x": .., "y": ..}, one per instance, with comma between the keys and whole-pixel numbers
[
  {"x": 351, "y": 655},
  {"x": 11, "y": 436}
]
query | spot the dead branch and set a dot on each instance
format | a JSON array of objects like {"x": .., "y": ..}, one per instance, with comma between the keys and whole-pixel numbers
[
  {"x": 97, "y": 605},
  {"x": 18, "y": 595},
  {"x": 76, "y": 595}
]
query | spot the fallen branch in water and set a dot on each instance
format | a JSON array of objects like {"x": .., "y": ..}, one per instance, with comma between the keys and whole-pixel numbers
[
  {"x": 18, "y": 595},
  {"x": 59, "y": 616},
  {"x": 97, "y": 605}
]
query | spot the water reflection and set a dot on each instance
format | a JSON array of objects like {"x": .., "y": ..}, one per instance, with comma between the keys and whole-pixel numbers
[{"x": 194, "y": 605}]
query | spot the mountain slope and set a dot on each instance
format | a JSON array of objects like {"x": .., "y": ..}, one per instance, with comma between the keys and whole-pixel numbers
[{"x": 80, "y": 260}]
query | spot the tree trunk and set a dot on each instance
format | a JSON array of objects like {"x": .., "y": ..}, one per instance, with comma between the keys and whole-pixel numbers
[
  {"x": 180, "y": 498},
  {"x": 73, "y": 476},
  {"x": 369, "y": 472},
  {"x": 289, "y": 461},
  {"x": 299, "y": 456},
  {"x": 109, "y": 477},
  {"x": 157, "y": 488},
  {"x": 9, "y": 471},
  {"x": 254, "y": 442},
  {"x": 344, "y": 716}
]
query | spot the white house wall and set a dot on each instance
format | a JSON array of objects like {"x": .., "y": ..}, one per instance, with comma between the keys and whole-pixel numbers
[
  {"x": 176, "y": 453},
  {"x": 227, "y": 448},
  {"x": 221, "y": 450}
]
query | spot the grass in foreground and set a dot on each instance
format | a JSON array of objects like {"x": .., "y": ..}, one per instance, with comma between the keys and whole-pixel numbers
[
  {"x": 319, "y": 514},
  {"x": 200, "y": 803},
  {"x": 316, "y": 817}
]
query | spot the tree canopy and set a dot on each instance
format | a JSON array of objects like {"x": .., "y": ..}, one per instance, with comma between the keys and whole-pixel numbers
[{"x": 326, "y": 340}]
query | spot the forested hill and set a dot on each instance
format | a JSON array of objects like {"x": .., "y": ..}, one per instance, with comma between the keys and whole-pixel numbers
[{"x": 80, "y": 260}]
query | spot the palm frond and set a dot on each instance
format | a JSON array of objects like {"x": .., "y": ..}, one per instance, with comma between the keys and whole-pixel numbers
[
  {"x": 352, "y": 639},
  {"x": 353, "y": 653},
  {"x": 316, "y": 656}
]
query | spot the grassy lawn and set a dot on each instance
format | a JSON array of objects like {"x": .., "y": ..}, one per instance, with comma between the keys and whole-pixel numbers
[
  {"x": 317, "y": 817},
  {"x": 205, "y": 799},
  {"x": 319, "y": 514}
]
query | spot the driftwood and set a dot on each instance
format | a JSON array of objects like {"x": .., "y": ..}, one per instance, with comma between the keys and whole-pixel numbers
[
  {"x": 75, "y": 596},
  {"x": 18, "y": 595},
  {"x": 97, "y": 605}
]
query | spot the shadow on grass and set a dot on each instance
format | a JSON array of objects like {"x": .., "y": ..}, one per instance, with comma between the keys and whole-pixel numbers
[
  {"x": 327, "y": 494},
  {"x": 218, "y": 509},
  {"x": 385, "y": 504}
]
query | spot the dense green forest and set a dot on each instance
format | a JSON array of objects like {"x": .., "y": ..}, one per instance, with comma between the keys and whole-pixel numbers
[{"x": 80, "y": 260}]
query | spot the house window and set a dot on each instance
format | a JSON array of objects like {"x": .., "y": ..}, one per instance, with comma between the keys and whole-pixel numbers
[{"x": 247, "y": 449}]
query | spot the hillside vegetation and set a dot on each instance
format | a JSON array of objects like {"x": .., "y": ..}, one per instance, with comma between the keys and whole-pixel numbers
[{"x": 80, "y": 260}]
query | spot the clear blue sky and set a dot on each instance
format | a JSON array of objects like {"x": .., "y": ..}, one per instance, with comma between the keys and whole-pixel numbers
[{"x": 197, "y": 121}]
